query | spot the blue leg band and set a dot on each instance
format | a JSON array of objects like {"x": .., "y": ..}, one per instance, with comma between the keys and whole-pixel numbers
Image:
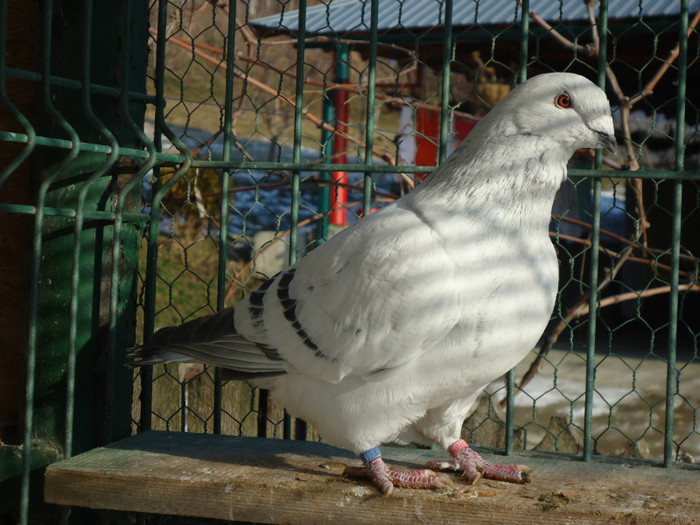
[{"x": 370, "y": 454}]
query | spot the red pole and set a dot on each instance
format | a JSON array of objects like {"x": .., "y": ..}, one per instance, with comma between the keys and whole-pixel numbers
[{"x": 339, "y": 194}]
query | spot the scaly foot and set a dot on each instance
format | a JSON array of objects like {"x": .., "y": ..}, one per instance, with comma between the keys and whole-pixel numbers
[
  {"x": 386, "y": 479},
  {"x": 474, "y": 466}
]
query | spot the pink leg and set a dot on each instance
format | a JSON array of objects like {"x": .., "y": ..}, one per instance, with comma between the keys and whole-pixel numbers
[
  {"x": 474, "y": 466},
  {"x": 386, "y": 479}
]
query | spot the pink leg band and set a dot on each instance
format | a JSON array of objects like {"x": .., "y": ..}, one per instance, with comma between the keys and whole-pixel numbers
[{"x": 457, "y": 447}]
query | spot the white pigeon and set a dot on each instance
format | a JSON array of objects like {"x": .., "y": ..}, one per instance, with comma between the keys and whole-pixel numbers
[{"x": 391, "y": 329}]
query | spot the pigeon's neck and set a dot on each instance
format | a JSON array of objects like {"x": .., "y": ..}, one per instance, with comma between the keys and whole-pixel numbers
[{"x": 500, "y": 175}]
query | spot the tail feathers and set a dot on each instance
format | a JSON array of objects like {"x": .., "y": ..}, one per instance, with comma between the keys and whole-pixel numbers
[
  {"x": 212, "y": 340},
  {"x": 152, "y": 355}
]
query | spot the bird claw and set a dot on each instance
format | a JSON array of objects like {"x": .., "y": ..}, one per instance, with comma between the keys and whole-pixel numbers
[
  {"x": 386, "y": 479},
  {"x": 474, "y": 467}
]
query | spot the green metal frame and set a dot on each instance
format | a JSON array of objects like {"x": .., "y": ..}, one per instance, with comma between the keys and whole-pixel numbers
[{"x": 87, "y": 218}]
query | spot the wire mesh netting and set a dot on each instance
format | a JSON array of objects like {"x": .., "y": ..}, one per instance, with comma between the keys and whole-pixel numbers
[
  {"x": 165, "y": 171},
  {"x": 627, "y": 407}
]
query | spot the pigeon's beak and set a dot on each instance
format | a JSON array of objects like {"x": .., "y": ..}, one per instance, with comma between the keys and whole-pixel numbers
[
  {"x": 602, "y": 126},
  {"x": 607, "y": 141}
]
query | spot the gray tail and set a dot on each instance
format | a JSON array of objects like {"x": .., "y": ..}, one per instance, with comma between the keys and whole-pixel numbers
[{"x": 213, "y": 340}]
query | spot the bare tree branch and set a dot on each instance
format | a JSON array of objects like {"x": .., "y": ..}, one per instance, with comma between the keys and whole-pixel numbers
[
  {"x": 672, "y": 56},
  {"x": 582, "y": 306},
  {"x": 556, "y": 34}
]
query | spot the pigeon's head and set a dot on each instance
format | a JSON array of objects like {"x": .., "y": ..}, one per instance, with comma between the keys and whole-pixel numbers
[{"x": 562, "y": 107}]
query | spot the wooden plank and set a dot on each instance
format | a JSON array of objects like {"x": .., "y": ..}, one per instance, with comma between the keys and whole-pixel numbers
[{"x": 276, "y": 481}]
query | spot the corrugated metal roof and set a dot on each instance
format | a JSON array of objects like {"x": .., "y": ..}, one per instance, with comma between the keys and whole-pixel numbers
[{"x": 353, "y": 16}]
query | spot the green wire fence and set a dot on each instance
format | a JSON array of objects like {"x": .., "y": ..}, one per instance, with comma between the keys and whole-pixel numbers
[{"x": 159, "y": 161}]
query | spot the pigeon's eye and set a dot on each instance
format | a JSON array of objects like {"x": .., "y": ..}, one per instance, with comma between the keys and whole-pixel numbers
[{"x": 563, "y": 101}]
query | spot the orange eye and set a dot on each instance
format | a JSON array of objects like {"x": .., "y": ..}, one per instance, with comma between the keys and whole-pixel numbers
[{"x": 563, "y": 101}]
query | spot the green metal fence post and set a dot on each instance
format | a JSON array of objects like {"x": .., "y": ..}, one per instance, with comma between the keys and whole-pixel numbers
[
  {"x": 594, "y": 259},
  {"x": 159, "y": 191},
  {"x": 447, "y": 55},
  {"x": 35, "y": 385},
  {"x": 510, "y": 377},
  {"x": 671, "y": 371},
  {"x": 371, "y": 100},
  {"x": 324, "y": 190},
  {"x": 300, "y": 430},
  {"x": 133, "y": 56},
  {"x": 224, "y": 205}
]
